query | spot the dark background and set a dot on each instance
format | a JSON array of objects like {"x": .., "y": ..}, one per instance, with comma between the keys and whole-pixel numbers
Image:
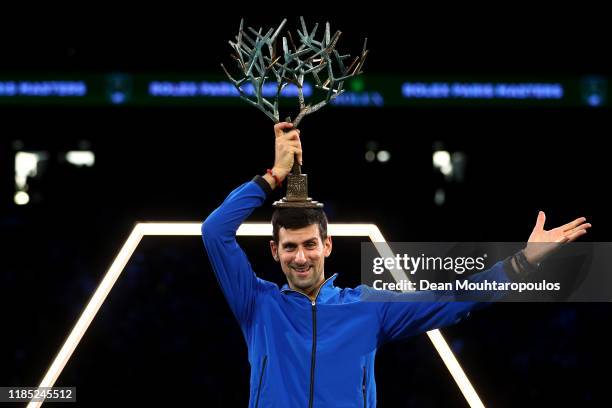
[{"x": 166, "y": 332}]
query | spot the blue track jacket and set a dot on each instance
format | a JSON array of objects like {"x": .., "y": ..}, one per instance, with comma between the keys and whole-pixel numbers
[{"x": 318, "y": 353}]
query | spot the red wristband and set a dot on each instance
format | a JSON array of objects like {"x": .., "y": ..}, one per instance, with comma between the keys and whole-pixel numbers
[{"x": 276, "y": 179}]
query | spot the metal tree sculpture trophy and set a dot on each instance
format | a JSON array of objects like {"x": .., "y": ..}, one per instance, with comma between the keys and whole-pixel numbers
[{"x": 260, "y": 64}]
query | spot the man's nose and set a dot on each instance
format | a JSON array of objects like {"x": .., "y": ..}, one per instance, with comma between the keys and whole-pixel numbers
[{"x": 300, "y": 257}]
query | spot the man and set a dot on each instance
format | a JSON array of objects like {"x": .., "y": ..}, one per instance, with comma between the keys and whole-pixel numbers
[{"x": 311, "y": 343}]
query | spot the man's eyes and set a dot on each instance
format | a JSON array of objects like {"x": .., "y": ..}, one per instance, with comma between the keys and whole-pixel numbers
[{"x": 309, "y": 245}]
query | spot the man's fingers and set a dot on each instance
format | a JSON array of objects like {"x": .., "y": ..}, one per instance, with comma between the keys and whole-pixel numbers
[
  {"x": 279, "y": 128},
  {"x": 292, "y": 135},
  {"x": 292, "y": 143},
  {"x": 283, "y": 125},
  {"x": 578, "y": 228},
  {"x": 573, "y": 224},
  {"x": 571, "y": 237},
  {"x": 540, "y": 221}
]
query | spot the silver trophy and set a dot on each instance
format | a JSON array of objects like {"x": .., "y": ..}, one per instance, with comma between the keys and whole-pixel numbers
[{"x": 260, "y": 64}]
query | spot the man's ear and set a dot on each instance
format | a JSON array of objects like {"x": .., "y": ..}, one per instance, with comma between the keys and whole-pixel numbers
[
  {"x": 327, "y": 246},
  {"x": 274, "y": 250}
]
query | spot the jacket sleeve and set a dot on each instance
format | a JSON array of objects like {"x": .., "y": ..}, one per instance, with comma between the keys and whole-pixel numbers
[
  {"x": 229, "y": 262},
  {"x": 428, "y": 310}
]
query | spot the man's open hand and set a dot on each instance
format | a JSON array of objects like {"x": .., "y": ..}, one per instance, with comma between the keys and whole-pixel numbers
[{"x": 544, "y": 243}]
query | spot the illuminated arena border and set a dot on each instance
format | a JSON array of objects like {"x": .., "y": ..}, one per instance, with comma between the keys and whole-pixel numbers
[{"x": 246, "y": 229}]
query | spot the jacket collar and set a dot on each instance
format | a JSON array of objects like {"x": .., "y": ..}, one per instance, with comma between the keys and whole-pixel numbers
[{"x": 326, "y": 291}]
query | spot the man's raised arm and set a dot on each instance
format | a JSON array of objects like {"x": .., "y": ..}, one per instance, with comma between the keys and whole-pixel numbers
[{"x": 230, "y": 264}]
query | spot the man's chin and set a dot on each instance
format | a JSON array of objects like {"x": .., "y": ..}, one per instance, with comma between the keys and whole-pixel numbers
[{"x": 303, "y": 282}]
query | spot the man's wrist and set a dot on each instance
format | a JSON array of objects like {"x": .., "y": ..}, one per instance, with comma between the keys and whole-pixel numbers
[
  {"x": 271, "y": 181},
  {"x": 279, "y": 173},
  {"x": 532, "y": 256},
  {"x": 264, "y": 184},
  {"x": 275, "y": 177}
]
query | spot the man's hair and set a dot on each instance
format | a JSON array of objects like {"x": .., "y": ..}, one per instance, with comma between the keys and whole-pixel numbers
[{"x": 294, "y": 218}]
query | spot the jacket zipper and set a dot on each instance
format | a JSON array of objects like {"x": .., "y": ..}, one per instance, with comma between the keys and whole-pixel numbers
[
  {"x": 363, "y": 388},
  {"x": 314, "y": 338},
  {"x": 314, "y": 351},
  {"x": 263, "y": 368}
]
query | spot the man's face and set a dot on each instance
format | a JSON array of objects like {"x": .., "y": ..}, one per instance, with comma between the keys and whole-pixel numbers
[{"x": 302, "y": 254}]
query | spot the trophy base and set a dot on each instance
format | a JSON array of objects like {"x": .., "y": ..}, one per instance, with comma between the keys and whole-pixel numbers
[
  {"x": 308, "y": 203},
  {"x": 297, "y": 192}
]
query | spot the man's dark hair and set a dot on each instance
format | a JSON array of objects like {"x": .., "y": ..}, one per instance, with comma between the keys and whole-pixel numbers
[{"x": 294, "y": 218}]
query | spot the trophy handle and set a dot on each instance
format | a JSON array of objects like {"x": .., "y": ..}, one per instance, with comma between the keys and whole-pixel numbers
[
  {"x": 297, "y": 187},
  {"x": 296, "y": 169}
]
